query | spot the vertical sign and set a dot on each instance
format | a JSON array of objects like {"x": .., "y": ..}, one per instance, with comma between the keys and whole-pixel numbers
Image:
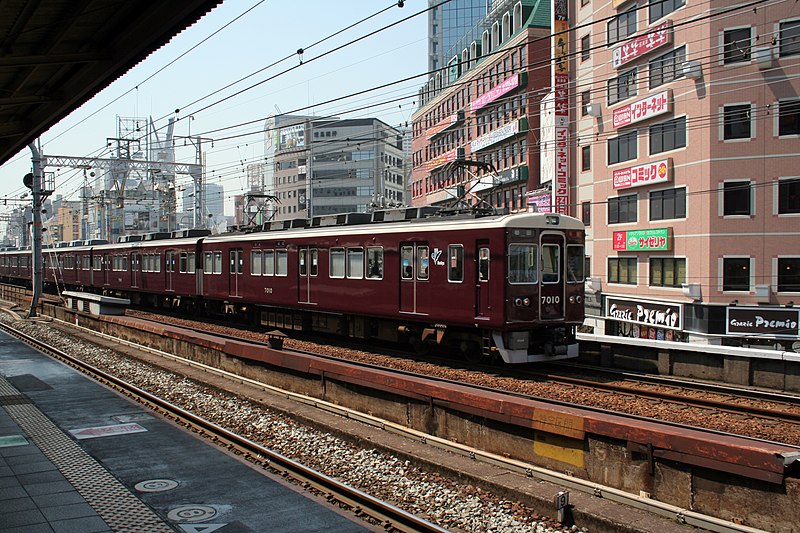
[{"x": 560, "y": 82}]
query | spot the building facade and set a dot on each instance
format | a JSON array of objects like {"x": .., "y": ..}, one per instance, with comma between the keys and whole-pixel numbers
[
  {"x": 486, "y": 112},
  {"x": 324, "y": 166},
  {"x": 449, "y": 24},
  {"x": 686, "y": 122}
]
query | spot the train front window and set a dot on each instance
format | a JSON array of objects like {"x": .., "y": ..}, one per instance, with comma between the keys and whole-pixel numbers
[
  {"x": 522, "y": 263},
  {"x": 575, "y": 264},
  {"x": 551, "y": 263}
]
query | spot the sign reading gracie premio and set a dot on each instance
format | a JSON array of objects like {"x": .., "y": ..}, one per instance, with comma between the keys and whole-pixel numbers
[
  {"x": 667, "y": 316},
  {"x": 774, "y": 322}
]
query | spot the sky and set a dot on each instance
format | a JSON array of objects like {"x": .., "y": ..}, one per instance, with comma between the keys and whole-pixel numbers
[{"x": 239, "y": 39}]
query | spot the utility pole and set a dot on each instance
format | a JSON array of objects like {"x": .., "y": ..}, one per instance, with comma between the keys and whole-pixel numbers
[{"x": 34, "y": 182}]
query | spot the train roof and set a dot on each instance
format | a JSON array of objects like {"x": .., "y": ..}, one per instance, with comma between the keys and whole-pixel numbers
[{"x": 432, "y": 223}]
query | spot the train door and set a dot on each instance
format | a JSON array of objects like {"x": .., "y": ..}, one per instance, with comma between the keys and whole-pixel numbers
[
  {"x": 551, "y": 279},
  {"x": 307, "y": 269},
  {"x": 106, "y": 266},
  {"x": 235, "y": 271},
  {"x": 136, "y": 269},
  {"x": 414, "y": 273},
  {"x": 482, "y": 306},
  {"x": 169, "y": 270}
]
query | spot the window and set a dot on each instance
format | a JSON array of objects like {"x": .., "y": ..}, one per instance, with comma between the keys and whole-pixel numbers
[
  {"x": 622, "y": 87},
  {"x": 575, "y": 263},
  {"x": 667, "y": 272},
  {"x": 256, "y": 265},
  {"x": 621, "y": 26},
  {"x": 586, "y": 99},
  {"x": 586, "y": 158},
  {"x": 407, "y": 262},
  {"x": 662, "y": 8},
  {"x": 736, "y": 121},
  {"x": 789, "y": 196},
  {"x": 551, "y": 263},
  {"x": 789, "y": 274},
  {"x": 374, "y": 262},
  {"x": 217, "y": 263},
  {"x": 586, "y": 213},
  {"x": 669, "y": 203},
  {"x": 236, "y": 261},
  {"x": 522, "y": 263},
  {"x": 355, "y": 263},
  {"x": 736, "y": 198},
  {"x": 790, "y": 38},
  {"x": 281, "y": 263},
  {"x": 667, "y": 68},
  {"x": 337, "y": 263},
  {"x": 97, "y": 262},
  {"x": 483, "y": 264},
  {"x": 622, "y": 270},
  {"x": 455, "y": 263},
  {"x": 736, "y": 274},
  {"x": 736, "y": 45},
  {"x": 586, "y": 47},
  {"x": 668, "y": 136},
  {"x": 422, "y": 262},
  {"x": 789, "y": 117},
  {"x": 183, "y": 263},
  {"x": 622, "y": 209},
  {"x": 623, "y": 148}
]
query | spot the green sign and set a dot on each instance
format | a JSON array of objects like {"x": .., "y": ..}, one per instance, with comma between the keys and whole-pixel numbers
[{"x": 657, "y": 240}]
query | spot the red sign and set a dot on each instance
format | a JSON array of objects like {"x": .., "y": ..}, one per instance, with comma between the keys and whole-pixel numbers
[
  {"x": 441, "y": 126},
  {"x": 452, "y": 155},
  {"x": 644, "y": 44},
  {"x": 643, "y": 109},
  {"x": 647, "y": 174}
]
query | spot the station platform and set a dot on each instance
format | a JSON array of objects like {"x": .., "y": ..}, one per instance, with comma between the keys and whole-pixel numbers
[{"x": 78, "y": 457}]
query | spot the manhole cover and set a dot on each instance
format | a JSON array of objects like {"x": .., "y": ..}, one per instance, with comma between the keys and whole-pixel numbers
[
  {"x": 192, "y": 513},
  {"x": 156, "y": 485}
]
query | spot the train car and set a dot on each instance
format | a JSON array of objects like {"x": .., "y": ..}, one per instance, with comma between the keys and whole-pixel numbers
[
  {"x": 507, "y": 285},
  {"x": 503, "y": 285}
]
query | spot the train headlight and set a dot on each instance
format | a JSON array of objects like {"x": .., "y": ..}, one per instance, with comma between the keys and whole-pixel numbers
[
  {"x": 518, "y": 302},
  {"x": 526, "y": 302},
  {"x": 572, "y": 299},
  {"x": 579, "y": 298}
]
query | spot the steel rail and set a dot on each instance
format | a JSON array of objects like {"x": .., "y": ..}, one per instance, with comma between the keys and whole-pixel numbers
[{"x": 392, "y": 518}]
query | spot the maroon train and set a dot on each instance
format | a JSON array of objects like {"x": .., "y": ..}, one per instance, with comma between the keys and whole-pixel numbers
[{"x": 507, "y": 285}]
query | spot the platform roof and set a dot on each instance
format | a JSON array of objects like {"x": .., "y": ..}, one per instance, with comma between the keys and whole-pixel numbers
[{"x": 57, "y": 54}]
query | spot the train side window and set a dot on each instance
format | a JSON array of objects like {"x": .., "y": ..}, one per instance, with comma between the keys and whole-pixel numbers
[
  {"x": 337, "y": 263},
  {"x": 407, "y": 262},
  {"x": 183, "y": 263},
  {"x": 483, "y": 264},
  {"x": 191, "y": 264},
  {"x": 314, "y": 261},
  {"x": 355, "y": 263},
  {"x": 157, "y": 262},
  {"x": 208, "y": 263},
  {"x": 256, "y": 265},
  {"x": 85, "y": 262},
  {"x": 422, "y": 260},
  {"x": 97, "y": 262},
  {"x": 269, "y": 262},
  {"x": 455, "y": 263},
  {"x": 522, "y": 263},
  {"x": 551, "y": 263},
  {"x": 281, "y": 263},
  {"x": 374, "y": 262},
  {"x": 575, "y": 264}
]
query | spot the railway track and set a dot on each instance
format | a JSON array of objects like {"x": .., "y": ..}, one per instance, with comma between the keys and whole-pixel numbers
[
  {"x": 363, "y": 505},
  {"x": 741, "y": 415}
]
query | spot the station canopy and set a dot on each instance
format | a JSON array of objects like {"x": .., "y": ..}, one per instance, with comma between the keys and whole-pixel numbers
[{"x": 55, "y": 55}]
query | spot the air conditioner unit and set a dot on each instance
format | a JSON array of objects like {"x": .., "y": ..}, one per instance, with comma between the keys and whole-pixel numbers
[
  {"x": 692, "y": 70},
  {"x": 593, "y": 110},
  {"x": 762, "y": 294},
  {"x": 692, "y": 290},
  {"x": 763, "y": 56}
]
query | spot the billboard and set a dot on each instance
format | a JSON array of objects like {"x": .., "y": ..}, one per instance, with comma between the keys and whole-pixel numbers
[{"x": 292, "y": 137}]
